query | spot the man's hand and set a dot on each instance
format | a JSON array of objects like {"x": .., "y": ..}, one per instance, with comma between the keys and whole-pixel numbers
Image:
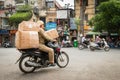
[{"x": 54, "y": 40}]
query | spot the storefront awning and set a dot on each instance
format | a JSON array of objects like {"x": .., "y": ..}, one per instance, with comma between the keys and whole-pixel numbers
[
  {"x": 93, "y": 33},
  {"x": 4, "y": 32},
  {"x": 87, "y": 27}
]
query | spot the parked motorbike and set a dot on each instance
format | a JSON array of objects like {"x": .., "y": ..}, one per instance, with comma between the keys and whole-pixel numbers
[
  {"x": 66, "y": 43},
  {"x": 7, "y": 44},
  {"x": 41, "y": 58},
  {"x": 102, "y": 45},
  {"x": 83, "y": 45}
]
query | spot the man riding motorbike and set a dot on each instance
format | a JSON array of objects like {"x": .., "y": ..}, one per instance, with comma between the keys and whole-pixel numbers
[
  {"x": 98, "y": 41},
  {"x": 42, "y": 39}
]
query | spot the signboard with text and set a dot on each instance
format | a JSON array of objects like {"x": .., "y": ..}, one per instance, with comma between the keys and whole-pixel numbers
[
  {"x": 50, "y": 25},
  {"x": 62, "y": 14},
  {"x": 4, "y": 32}
]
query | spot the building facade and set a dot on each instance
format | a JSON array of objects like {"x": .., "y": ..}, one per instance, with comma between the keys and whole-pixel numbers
[
  {"x": 85, "y": 10},
  {"x": 7, "y": 8},
  {"x": 47, "y": 12}
]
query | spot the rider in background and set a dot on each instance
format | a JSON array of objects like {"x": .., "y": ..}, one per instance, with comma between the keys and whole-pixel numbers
[
  {"x": 117, "y": 42},
  {"x": 98, "y": 40},
  {"x": 83, "y": 39}
]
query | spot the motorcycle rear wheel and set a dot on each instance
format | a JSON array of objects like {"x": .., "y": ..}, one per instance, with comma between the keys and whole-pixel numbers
[
  {"x": 92, "y": 48},
  {"x": 22, "y": 64},
  {"x": 62, "y": 59}
]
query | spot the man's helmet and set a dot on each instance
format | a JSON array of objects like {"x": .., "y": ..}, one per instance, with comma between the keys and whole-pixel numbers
[{"x": 40, "y": 22}]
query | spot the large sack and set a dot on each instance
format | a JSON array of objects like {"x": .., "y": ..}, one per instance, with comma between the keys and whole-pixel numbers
[
  {"x": 26, "y": 39},
  {"x": 28, "y": 26},
  {"x": 52, "y": 33}
]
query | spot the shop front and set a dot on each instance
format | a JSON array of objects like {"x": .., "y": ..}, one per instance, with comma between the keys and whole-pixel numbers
[
  {"x": 12, "y": 37},
  {"x": 4, "y": 36},
  {"x": 73, "y": 30}
]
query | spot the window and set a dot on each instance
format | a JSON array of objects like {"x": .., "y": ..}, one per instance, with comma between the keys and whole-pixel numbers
[
  {"x": 19, "y": 1},
  {"x": 97, "y": 2},
  {"x": 50, "y": 5},
  {"x": 1, "y": 5},
  {"x": 86, "y": 17},
  {"x": 32, "y": 2},
  {"x": 85, "y": 2},
  {"x": 26, "y": 1},
  {"x": 5, "y": 21}
]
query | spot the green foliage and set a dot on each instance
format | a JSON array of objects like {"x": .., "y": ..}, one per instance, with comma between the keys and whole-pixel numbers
[
  {"x": 108, "y": 17},
  {"x": 19, "y": 17},
  {"x": 77, "y": 21},
  {"x": 24, "y": 8},
  {"x": 23, "y": 13},
  {"x": 91, "y": 22}
]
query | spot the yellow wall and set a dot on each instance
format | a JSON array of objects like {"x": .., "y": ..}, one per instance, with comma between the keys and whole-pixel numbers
[
  {"x": 77, "y": 8},
  {"x": 51, "y": 15},
  {"x": 90, "y": 10}
]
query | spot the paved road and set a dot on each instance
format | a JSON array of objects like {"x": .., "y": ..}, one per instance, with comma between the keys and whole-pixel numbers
[{"x": 84, "y": 65}]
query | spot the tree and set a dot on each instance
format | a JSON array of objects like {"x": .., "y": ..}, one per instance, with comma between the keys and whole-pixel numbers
[
  {"x": 23, "y": 13},
  {"x": 18, "y": 17},
  {"x": 77, "y": 22},
  {"x": 108, "y": 17}
]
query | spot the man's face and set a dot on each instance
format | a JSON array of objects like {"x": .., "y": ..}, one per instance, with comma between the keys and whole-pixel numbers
[{"x": 42, "y": 26}]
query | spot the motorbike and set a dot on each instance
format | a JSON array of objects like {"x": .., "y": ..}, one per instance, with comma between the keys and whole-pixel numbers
[
  {"x": 83, "y": 45},
  {"x": 66, "y": 43},
  {"x": 102, "y": 45},
  {"x": 7, "y": 44},
  {"x": 61, "y": 59}
]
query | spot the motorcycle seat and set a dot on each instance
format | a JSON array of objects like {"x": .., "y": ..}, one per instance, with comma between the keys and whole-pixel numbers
[{"x": 28, "y": 50}]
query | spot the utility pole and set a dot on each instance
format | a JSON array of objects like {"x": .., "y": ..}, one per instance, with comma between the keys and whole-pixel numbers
[
  {"x": 82, "y": 13},
  {"x": 68, "y": 16}
]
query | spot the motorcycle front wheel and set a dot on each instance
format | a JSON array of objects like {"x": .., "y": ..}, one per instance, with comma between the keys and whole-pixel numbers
[
  {"x": 24, "y": 67},
  {"x": 62, "y": 59},
  {"x": 107, "y": 49},
  {"x": 80, "y": 46}
]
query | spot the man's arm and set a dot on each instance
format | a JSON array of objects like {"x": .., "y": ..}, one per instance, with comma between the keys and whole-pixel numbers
[{"x": 42, "y": 32}]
